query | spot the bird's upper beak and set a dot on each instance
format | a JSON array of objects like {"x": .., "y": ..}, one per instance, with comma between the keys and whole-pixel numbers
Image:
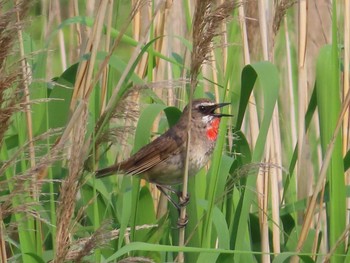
[{"x": 217, "y": 106}]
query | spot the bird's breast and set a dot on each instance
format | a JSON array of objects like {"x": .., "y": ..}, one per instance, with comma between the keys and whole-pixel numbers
[{"x": 213, "y": 129}]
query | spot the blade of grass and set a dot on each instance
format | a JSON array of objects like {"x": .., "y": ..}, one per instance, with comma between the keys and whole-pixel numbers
[
  {"x": 269, "y": 82},
  {"x": 328, "y": 91}
]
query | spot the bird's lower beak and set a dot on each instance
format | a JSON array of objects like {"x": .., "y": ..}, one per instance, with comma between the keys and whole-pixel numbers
[{"x": 220, "y": 105}]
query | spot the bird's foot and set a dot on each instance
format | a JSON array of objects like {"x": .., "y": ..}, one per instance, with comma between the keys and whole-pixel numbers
[
  {"x": 183, "y": 201},
  {"x": 182, "y": 222}
]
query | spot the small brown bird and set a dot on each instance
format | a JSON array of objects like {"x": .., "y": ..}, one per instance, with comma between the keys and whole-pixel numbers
[{"x": 162, "y": 161}]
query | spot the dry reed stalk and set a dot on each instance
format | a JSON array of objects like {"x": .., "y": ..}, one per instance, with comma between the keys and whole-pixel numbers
[
  {"x": 107, "y": 48},
  {"x": 113, "y": 101},
  {"x": 159, "y": 70},
  {"x": 275, "y": 175},
  {"x": 178, "y": 27},
  {"x": 253, "y": 114},
  {"x": 70, "y": 187},
  {"x": 90, "y": 9},
  {"x": 276, "y": 179},
  {"x": 84, "y": 76},
  {"x": 61, "y": 40},
  {"x": 159, "y": 30},
  {"x": 78, "y": 32},
  {"x": 261, "y": 187},
  {"x": 206, "y": 23},
  {"x": 136, "y": 23},
  {"x": 113, "y": 105},
  {"x": 281, "y": 8},
  {"x": 104, "y": 63},
  {"x": 3, "y": 253},
  {"x": 262, "y": 194},
  {"x": 276, "y": 148},
  {"x": 108, "y": 111},
  {"x": 263, "y": 25},
  {"x": 142, "y": 18},
  {"x": 251, "y": 21},
  {"x": 85, "y": 71},
  {"x": 302, "y": 90},
  {"x": 318, "y": 34},
  {"x": 321, "y": 179}
]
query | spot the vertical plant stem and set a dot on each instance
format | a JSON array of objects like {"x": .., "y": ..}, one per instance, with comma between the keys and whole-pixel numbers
[
  {"x": 252, "y": 108},
  {"x": 346, "y": 91},
  {"x": 84, "y": 74},
  {"x": 263, "y": 28},
  {"x": 61, "y": 41},
  {"x": 77, "y": 26},
  {"x": 107, "y": 48},
  {"x": 26, "y": 76},
  {"x": 321, "y": 178},
  {"x": 302, "y": 87},
  {"x": 261, "y": 184},
  {"x": 3, "y": 256},
  {"x": 181, "y": 256},
  {"x": 34, "y": 186}
]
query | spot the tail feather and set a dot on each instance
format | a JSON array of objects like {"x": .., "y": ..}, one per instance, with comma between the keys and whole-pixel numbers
[{"x": 106, "y": 171}]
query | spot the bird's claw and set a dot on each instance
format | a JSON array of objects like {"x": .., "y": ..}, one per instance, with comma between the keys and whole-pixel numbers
[
  {"x": 182, "y": 222},
  {"x": 183, "y": 201}
]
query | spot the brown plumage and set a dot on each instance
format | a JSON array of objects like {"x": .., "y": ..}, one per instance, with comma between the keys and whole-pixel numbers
[{"x": 162, "y": 161}]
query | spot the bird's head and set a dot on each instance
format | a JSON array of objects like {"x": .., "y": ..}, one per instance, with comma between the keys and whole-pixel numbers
[{"x": 204, "y": 111}]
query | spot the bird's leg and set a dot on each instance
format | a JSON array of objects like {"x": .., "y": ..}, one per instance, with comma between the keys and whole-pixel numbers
[
  {"x": 182, "y": 202},
  {"x": 163, "y": 190}
]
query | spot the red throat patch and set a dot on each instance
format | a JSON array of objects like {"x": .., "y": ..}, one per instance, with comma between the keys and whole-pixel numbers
[{"x": 212, "y": 130}]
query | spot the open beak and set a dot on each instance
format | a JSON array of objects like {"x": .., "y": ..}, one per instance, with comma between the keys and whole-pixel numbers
[{"x": 217, "y": 106}]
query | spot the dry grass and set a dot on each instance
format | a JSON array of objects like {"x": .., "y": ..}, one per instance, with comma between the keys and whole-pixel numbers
[
  {"x": 28, "y": 168},
  {"x": 11, "y": 80}
]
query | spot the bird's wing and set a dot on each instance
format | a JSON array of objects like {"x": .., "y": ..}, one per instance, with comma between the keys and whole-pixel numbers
[{"x": 152, "y": 154}]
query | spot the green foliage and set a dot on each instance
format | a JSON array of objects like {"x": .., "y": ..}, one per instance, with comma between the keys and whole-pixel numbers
[{"x": 223, "y": 211}]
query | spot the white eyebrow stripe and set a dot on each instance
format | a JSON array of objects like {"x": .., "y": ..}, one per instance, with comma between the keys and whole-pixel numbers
[{"x": 206, "y": 104}]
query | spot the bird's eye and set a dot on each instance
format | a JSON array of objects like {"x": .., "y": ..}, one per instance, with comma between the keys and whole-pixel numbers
[{"x": 201, "y": 108}]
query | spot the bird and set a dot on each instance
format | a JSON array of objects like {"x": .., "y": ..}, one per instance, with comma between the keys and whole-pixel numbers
[{"x": 162, "y": 161}]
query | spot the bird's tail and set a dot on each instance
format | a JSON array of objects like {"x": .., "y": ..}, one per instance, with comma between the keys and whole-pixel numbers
[{"x": 107, "y": 171}]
